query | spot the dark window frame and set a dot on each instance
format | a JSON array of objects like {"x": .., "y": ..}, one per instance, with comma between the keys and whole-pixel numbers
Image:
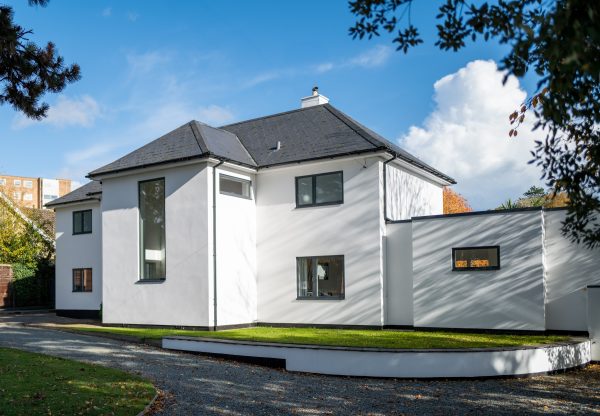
[
  {"x": 472, "y": 269},
  {"x": 235, "y": 179},
  {"x": 83, "y": 287},
  {"x": 315, "y": 296},
  {"x": 82, "y": 212},
  {"x": 314, "y": 190},
  {"x": 141, "y": 279}
]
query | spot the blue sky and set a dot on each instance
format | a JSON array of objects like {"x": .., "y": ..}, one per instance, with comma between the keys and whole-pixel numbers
[{"x": 148, "y": 67}]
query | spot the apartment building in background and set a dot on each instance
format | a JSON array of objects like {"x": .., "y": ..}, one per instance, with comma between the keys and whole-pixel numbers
[{"x": 33, "y": 192}]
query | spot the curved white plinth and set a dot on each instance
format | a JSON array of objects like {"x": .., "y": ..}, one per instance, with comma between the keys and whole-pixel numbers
[{"x": 370, "y": 362}]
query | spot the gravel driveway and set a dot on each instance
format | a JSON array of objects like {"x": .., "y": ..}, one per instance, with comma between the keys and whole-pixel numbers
[{"x": 195, "y": 385}]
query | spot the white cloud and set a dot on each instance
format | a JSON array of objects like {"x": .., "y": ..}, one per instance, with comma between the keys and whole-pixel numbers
[
  {"x": 215, "y": 115},
  {"x": 66, "y": 111},
  {"x": 466, "y": 136},
  {"x": 142, "y": 63},
  {"x": 375, "y": 57},
  {"x": 107, "y": 12},
  {"x": 133, "y": 16},
  {"x": 324, "y": 67}
]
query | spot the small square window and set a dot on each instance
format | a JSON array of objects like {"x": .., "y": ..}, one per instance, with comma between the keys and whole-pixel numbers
[
  {"x": 2, "y": 182},
  {"x": 320, "y": 277},
  {"x": 321, "y": 189},
  {"x": 28, "y": 184},
  {"x": 17, "y": 182},
  {"x": 82, "y": 280},
  {"x": 17, "y": 196},
  {"x": 82, "y": 222},
  {"x": 28, "y": 197},
  {"x": 232, "y": 186},
  {"x": 476, "y": 258}
]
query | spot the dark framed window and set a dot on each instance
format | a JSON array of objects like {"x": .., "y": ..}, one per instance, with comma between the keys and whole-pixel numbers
[
  {"x": 152, "y": 229},
  {"x": 82, "y": 280},
  {"x": 82, "y": 222},
  {"x": 320, "y": 277},
  {"x": 232, "y": 186},
  {"x": 321, "y": 189},
  {"x": 476, "y": 258}
]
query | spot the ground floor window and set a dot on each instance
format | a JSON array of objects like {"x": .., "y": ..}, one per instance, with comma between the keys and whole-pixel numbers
[
  {"x": 82, "y": 280},
  {"x": 320, "y": 277},
  {"x": 476, "y": 258}
]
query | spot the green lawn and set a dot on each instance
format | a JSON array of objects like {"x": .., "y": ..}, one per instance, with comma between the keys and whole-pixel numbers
[
  {"x": 35, "y": 384},
  {"x": 341, "y": 337}
]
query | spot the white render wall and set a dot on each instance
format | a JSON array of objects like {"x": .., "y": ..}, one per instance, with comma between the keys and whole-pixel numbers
[
  {"x": 399, "y": 274},
  {"x": 511, "y": 298},
  {"x": 353, "y": 229},
  {"x": 182, "y": 299},
  {"x": 78, "y": 251},
  {"x": 570, "y": 268},
  {"x": 409, "y": 195},
  {"x": 236, "y": 254}
]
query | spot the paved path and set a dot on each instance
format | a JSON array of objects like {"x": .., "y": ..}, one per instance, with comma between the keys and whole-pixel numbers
[{"x": 197, "y": 385}]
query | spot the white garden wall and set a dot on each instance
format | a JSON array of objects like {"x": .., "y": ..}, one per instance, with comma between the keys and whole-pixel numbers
[
  {"x": 570, "y": 268},
  {"x": 511, "y": 298},
  {"x": 75, "y": 252},
  {"x": 181, "y": 299},
  {"x": 399, "y": 274},
  {"x": 353, "y": 229}
]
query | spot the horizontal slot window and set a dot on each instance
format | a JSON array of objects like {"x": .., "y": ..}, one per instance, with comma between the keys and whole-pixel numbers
[
  {"x": 476, "y": 258},
  {"x": 232, "y": 186}
]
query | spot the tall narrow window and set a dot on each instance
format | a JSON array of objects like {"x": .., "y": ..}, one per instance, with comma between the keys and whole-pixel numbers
[
  {"x": 320, "y": 277},
  {"x": 82, "y": 280},
  {"x": 152, "y": 229},
  {"x": 82, "y": 222},
  {"x": 321, "y": 189}
]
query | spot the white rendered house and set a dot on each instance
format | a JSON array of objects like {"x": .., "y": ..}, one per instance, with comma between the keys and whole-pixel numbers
[{"x": 304, "y": 218}]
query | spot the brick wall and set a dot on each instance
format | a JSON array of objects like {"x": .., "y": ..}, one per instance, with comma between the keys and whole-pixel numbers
[{"x": 5, "y": 279}]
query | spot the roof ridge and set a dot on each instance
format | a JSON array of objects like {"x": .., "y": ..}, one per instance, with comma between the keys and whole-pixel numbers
[
  {"x": 268, "y": 116},
  {"x": 198, "y": 136},
  {"x": 358, "y": 129}
]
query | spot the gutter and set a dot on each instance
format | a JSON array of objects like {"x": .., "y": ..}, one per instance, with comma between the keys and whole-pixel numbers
[
  {"x": 385, "y": 217},
  {"x": 214, "y": 218}
]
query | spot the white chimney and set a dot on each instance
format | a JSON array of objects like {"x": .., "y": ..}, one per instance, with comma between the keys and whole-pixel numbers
[{"x": 314, "y": 99}]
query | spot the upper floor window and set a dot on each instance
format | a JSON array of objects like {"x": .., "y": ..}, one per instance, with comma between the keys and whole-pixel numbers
[
  {"x": 82, "y": 280},
  {"x": 152, "y": 229},
  {"x": 2, "y": 181},
  {"x": 230, "y": 185},
  {"x": 28, "y": 184},
  {"x": 28, "y": 197},
  {"x": 320, "y": 277},
  {"x": 476, "y": 258},
  {"x": 82, "y": 222},
  {"x": 17, "y": 182},
  {"x": 321, "y": 189}
]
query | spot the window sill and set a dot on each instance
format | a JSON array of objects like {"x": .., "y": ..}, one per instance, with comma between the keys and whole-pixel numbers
[
  {"x": 149, "y": 281},
  {"x": 87, "y": 232},
  {"x": 327, "y": 204},
  {"x": 81, "y": 291},
  {"x": 320, "y": 298}
]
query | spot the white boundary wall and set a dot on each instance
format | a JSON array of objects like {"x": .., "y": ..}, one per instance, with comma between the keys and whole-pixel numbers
[
  {"x": 401, "y": 364},
  {"x": 570, "y": 268}
]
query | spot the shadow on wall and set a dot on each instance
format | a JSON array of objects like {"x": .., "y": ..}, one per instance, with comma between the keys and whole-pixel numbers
[
  {"x": 509, "y": 298},
  {"x": 352, "y": 229},
  {"x": 25, "y": 286}
]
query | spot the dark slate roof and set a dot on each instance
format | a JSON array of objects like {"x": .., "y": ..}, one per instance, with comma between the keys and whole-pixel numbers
[
  {"x": 190, "y": 141},
  {"x": 310, "y": 133},
  {"x": 87, "y": 192},
  {"x": 314, "y": 133}
]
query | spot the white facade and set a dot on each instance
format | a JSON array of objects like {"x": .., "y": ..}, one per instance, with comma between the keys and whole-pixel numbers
[{"x": 78, "y": 251}]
